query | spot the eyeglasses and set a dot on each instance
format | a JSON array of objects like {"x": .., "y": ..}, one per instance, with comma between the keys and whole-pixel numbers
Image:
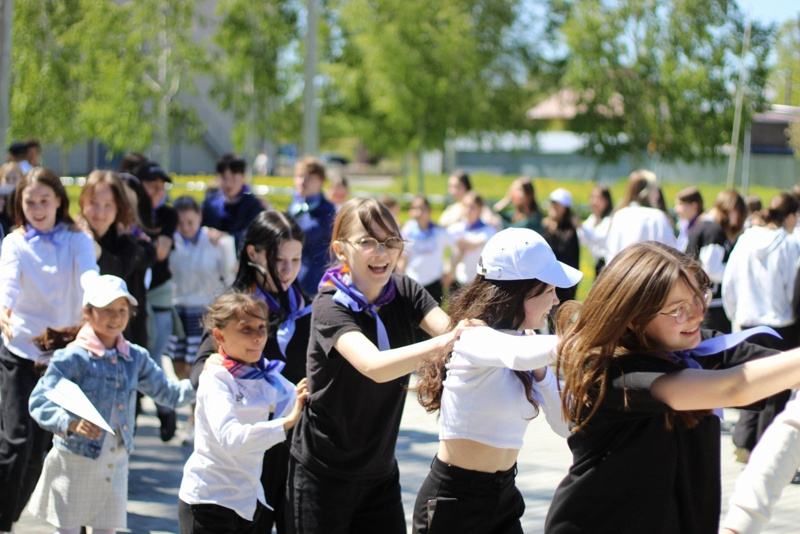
[
  {"x": 684, "y": 311},
  {"x": 369, "y": 245}
]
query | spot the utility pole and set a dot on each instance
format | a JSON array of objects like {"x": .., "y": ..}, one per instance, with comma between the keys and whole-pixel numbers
[
  {"x": 6, "y": 23},
  {"x": 310, "y": 119}
]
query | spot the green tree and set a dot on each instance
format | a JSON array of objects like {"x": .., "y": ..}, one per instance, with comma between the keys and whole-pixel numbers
[
  {"x": 785, "y": 74},
  {"x": 43, "y": 83},
  {"x": 658, "y": 76},
  {"x": 253, "y": 67},
  {"x": 411, "y": 73},
  {"x": 171, "y": 59},
  {"x": 104, "y": 70}
]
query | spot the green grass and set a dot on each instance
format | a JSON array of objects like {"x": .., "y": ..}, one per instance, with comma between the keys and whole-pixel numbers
[{"x": 491, "y": 187}]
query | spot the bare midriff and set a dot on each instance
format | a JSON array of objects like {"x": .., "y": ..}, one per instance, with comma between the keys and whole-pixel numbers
[{"x": 475, "y": 456}]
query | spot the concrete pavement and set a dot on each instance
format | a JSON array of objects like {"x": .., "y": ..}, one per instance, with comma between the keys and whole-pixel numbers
[{"x": 156, "y": 470}]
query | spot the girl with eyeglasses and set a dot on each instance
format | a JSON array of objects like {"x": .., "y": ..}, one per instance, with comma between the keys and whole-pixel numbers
[
  {"x": 343, "y": 474},
  {"x": 757, "y": 289},
  {"x": 641, "y": 383}
]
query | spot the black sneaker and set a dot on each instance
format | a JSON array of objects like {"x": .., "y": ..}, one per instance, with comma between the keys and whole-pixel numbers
[
  {"x": 796, "y": 478},
  {"x": 169, "y": 422}
]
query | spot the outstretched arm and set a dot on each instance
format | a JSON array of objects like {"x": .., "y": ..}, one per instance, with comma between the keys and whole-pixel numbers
[
  {"x": 386, "y": 365},
  {"x": 696, "y": 389},
  {"x": 771, "y": 466}
]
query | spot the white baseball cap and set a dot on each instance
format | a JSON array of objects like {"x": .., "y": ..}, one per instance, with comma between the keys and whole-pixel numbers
[
  {"x": 105, "y": 289},
  {"x": 522, "y": 254},
  {"x": 562, "y": 196}
]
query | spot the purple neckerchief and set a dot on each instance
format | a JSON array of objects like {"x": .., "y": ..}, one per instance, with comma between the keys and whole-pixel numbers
[
  {"x": 348, "y": 295},
  {"x": 217, "y": 202},
  {"x": 296, "y": 311},
  {"x": 476, "y": 226},
  {"x": 416, "y": 231},
  {"x": 137, "y": 232},
  {"x": 715, "y": 345},
  {"x": 264, "y": 369},
  {"x": 31, "y": 232},
  {"x": 191, "y": 240}
]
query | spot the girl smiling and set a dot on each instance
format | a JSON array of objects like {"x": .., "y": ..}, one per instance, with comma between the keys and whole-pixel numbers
[
  {"x": 44, "y": 266},
  {"x": 645, "y": 442},
  {"x": 364, "y": 343}
]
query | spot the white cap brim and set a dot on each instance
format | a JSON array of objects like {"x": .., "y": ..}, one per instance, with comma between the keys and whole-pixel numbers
[
  {"x": 101, "y": 301},
  {"x": 561, "y": 275}
]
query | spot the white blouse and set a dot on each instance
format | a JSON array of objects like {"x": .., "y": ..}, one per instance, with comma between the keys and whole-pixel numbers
[
  {"x": 42, "y": 281},
  {"x": 232, "y": 431},
  {"x": 484, "y": 400}
]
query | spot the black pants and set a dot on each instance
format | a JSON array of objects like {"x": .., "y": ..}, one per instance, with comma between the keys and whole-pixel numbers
[
  {"x": 459, "y": 501},
  {"x": 23, "y": 443},
  {"x": 321, "y": 504},
  {"x": 215, "y": 519},
  {"x": 274, "y": 472},
  {"x": 751, "y": 425}
]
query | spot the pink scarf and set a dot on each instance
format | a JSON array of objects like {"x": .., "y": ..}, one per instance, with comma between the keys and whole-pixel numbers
[{"x": 88, "y": 340}]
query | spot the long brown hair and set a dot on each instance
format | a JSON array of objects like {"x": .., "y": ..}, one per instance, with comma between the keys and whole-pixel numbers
[
  {"x": 531, "y": 206},
  {"x": 728, "y": 202},
  {"x": 126, "y": 214},
  {"x": 501, "y": 304},
  {"x": 44, "y": 176},
  {"x": 640, "y": 184},
  {"x": 628, "y": 294}
]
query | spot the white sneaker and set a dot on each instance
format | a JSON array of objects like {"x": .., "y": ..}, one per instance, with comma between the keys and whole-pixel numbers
[{"x": 188, "y": 436}]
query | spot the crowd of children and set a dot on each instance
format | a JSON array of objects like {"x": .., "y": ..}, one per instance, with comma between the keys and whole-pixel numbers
[{"x": 297, "y": 332}]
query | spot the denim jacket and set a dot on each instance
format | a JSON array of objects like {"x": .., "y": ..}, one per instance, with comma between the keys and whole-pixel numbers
[{"x": 110, "y": 382}]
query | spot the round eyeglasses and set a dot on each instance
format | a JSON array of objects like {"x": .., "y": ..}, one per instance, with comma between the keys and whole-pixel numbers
[
  {"x": 369, "y": 245},
  {"x": 684, "y": 311}
]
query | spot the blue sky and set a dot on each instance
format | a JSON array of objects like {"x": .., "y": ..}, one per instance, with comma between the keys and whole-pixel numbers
[{"x": 770, "y": 10}]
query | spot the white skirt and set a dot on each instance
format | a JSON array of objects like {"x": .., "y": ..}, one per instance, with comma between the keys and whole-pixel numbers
[{"x": 76, "y": 491}]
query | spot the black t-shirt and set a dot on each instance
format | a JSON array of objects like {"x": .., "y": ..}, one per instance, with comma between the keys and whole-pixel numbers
[
  {"x": 704, "y": 233},
  {"x": 350, "y": 423},
  {"x": 630, "y": 473},
  {"x": 166, "y": 221},
  {"x": 129, "y": 258},
  {"x": 566, "y": 247}
]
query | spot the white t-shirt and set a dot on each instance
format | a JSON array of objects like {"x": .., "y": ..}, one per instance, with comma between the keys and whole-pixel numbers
[
  {"x": 425, "y": 251},
  {"x": 594, "y": 235},
  {"x": 772, "y": 464},
  {"x": 477, "y": 236},
  {"x": 201, "y": 271},
  {"x": 634, "y": 224},
  {"x": 484, "y": 400},
  {"x": 758, "y": 281}
]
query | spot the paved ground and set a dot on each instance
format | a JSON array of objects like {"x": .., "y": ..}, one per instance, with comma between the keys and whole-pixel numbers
[{"x": 156, "y": 471}]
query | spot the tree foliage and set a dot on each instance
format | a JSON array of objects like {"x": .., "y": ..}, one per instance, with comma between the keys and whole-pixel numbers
[
  {"x": 99, "y": 69},
  {"x": 43, "y": 82},
  {"x": 253, "y": 67},
  {"x": 411, "y": 72},
  {"x": 784, "y": 77},
  {"x": 658, "y": 76}
]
